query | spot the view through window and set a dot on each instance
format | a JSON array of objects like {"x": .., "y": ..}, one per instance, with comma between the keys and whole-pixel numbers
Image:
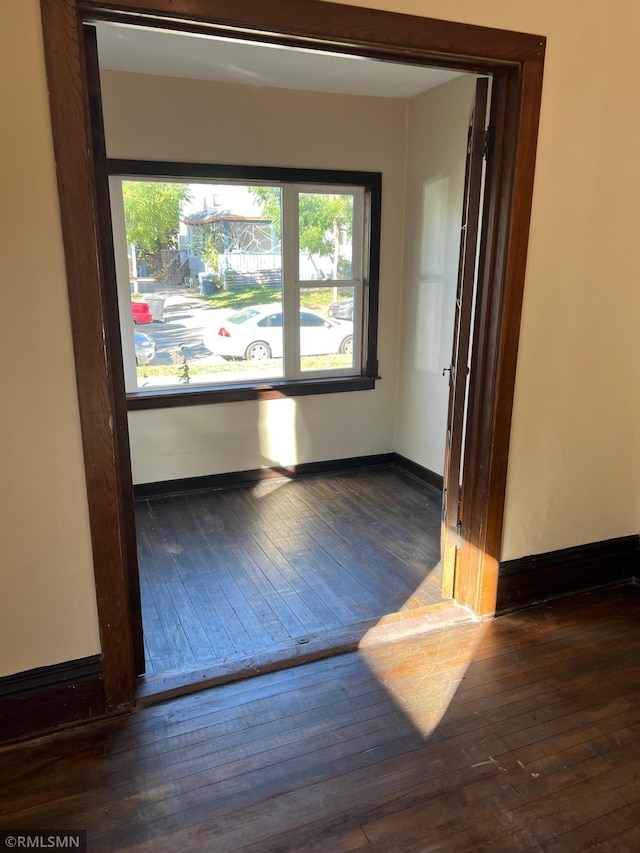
[{"x": 224, "y": 282}]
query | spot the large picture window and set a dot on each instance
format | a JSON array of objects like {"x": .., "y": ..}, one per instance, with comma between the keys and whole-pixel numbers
[{"x": 231, "y": 283}]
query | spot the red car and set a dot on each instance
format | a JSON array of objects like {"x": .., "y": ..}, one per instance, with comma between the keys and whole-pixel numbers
[{"x": 141, "y": 313}]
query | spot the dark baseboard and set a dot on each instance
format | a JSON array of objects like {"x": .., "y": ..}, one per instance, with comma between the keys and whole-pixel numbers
[
  {"x": 44, "y": 699},
  {"x": 242, "y": 478},
  {"x": 328, "y": 466},
  {"x": 534, "y": 579},
  {"x": 419, "y": 471}
]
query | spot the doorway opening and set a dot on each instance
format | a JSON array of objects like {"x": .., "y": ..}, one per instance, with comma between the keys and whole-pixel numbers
[
  {"x": 515, "y": 63},
  {"x": 238, "y": 253}
]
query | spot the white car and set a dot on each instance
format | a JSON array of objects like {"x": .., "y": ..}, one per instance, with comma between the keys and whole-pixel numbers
[
  {"x": 145, "y": 348},
  {"x": 256, "y": 334}
]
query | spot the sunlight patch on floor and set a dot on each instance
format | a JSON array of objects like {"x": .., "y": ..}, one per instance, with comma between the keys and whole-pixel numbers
[
  {"x": 424, "y": 680},
  {"x": 426, "y": 585},
  {"x": 267, "y": 487}
]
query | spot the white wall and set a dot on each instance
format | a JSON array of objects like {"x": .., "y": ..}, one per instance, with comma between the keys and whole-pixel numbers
[
  {"x": 196, "y": 121},
  {"x": 436, "y": 146},
  {"x": 576, "y": 409},
  {"x": 573, "y": 466},
  {"x": 47, "y": 599}
]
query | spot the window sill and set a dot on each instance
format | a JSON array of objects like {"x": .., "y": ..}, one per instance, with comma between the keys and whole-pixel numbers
[{"x": 205, "y": 395}]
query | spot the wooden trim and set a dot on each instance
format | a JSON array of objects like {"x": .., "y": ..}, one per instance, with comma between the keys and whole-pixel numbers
[
  {"x": 244, "y": 478},
  {"x": 470, "y": 227},
  {"x": 46, "y": 698},
  {"x": 331, "y": 26},
  {"x": 112, "y": 335},
  {"x": 396, "y": 626},
  {"x": 533, "y": 579},
  {"x": 98, "y": 366},
  {"x": 224, "y": 171},
  {"x": 58, "y": 674},
  {"x": 515, "y": 110},
  {"x": 391, "y": 53},
  {"x": 419, "y": 471},
  {"x": 515, "y": 60},
  {"x": 206, "y": 395}
]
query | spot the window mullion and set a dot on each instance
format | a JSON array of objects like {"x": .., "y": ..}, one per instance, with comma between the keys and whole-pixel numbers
[
  {"x": 290, "y": 295},
  {"x": 358, "y": 265}
]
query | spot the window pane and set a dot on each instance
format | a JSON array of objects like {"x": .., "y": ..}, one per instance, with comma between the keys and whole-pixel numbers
[
  {"x": 326, "y": 341},
  {"x": 205, "y": 266},
  {"x": 325, "y": 229},
  {"x": 206, "y": 285}
]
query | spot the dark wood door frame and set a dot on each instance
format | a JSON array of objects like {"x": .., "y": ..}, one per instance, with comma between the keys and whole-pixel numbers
[
  {"x": 515, "y": 61},
  {"x": 452, "y": 490}
]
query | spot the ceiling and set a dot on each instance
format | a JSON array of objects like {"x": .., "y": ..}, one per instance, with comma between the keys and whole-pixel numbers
[{"x": 173, "y": 54}]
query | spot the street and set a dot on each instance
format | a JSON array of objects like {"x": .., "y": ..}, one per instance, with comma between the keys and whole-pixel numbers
[{"x": 184, "y": 319}]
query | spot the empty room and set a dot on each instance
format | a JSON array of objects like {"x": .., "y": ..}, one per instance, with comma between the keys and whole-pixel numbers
[{"x": 365, "y": 579}]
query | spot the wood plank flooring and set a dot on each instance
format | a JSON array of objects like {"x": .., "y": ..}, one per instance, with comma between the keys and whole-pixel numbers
[
  {"x": 517, "y": 735},
  {"x": 234, "y": 571}
]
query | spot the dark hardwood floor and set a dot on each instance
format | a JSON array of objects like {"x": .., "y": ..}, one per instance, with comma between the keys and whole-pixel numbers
[
  {"x": 241, "y": 570},
  {"x": 520, "y": 734}
]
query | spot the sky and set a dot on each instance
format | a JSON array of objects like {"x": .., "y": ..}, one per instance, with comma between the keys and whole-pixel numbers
[{"x": 232, "y": 197}]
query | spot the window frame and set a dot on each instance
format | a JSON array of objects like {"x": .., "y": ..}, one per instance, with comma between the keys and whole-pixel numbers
[{"x": 302, "y": 383}]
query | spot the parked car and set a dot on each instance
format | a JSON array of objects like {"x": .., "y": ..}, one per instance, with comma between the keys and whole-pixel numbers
[
  {"x": 256, "y": 334},
  {"x": 141, "y": 313},
  {"x": 342, "y": 309},
  {"x": 145, "y": 348}
]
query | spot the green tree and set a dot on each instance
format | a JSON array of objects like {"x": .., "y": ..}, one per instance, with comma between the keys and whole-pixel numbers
[
  {"x": 209, "y": 255},
  {"x": 152, "y": 214},
  {"x": 323, "y": 218}
]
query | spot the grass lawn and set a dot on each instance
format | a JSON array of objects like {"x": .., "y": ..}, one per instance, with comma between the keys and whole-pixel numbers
[
  {"x": 316, "y": 298},
  {"x": 237, "y": 369},
  {"x": 243, "y": 298},
  {"x": 222, "y": 369}
]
